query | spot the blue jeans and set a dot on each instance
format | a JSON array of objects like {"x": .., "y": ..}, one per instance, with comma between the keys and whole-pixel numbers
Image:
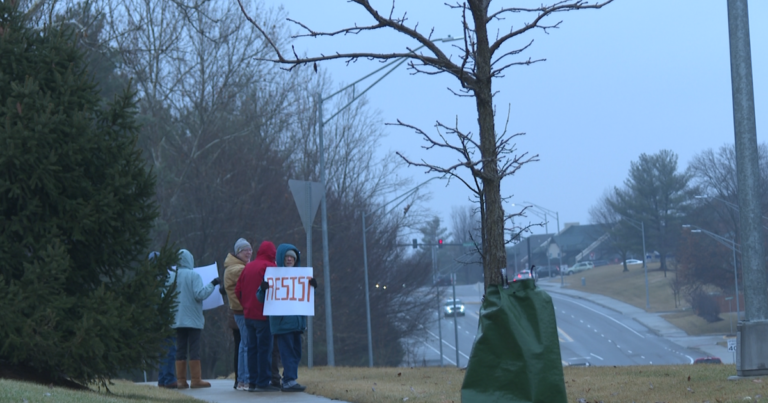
[
  {"x": 242, "y": 352},
  {"x": 290, "y": 353},
  {"x": 166, "y": 372},
  {"x": 259, "y": 352}
]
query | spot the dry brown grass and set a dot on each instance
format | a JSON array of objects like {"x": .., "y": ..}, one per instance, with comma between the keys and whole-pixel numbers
[
  {"x": 680, "y": 383},
  {"x": 696, "y": 325},
  {"x": 628, "y": 287}
]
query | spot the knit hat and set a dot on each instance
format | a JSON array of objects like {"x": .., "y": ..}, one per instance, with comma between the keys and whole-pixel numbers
[
  {"x": 240, "y": 245},
  {"x": 291, "y": 253}
]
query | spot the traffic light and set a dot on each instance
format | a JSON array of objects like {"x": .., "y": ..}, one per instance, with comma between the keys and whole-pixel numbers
[
  {"x": 439, "y": 243},
  {"x": 415, "y": 244}
]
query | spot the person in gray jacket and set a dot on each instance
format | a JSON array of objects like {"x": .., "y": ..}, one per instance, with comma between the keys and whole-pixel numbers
[{"x": 189, "y": 320}]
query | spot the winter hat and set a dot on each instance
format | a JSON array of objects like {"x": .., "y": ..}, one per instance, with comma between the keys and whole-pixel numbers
[
  {"x": 241, "y": 244},
  {"x": 291, "y": 253}
]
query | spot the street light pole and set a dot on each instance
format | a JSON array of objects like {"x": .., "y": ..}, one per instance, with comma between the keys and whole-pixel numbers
[
  {"x": 367, "y": 299},
  {"x": 404, "y": 197},
  {"x": 725, "y": 241},
  {"x": 324, "y": 217},
  {"x": 641, "y": 227},
  {"x": 545, "y": 211}
]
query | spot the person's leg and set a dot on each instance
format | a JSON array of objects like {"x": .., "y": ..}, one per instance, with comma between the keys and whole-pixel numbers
[
  {"x": 236, "y": 348},
  {"x": 182, "y": 335},
  {"x": 275, "y": 363},
  {"x": 243, "y": 369},
  {"x": 195, "y": 368},
  {"x": 166, "y": 375},
  {"x": 264, "y": 337},
  {"x": 253, "y": 352},
  {"x": 290, "y": 350}
]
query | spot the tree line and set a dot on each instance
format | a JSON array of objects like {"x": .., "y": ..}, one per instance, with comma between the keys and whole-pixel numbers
[
  {"x": 668, "y": 202},
  {"x": 218, "y": 134}
]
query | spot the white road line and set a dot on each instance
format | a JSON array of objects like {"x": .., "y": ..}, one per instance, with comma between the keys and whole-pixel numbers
[
  {"x": 596, "y": 356},
  {"x": 629, "y": 351},
  {"x": 642, "y": 356},
  {"x": 438, "y": 353},
  {"x": 449, "y": 345},
  {"x": 586, "y": 307},
  {"x": 690, "y": 358}
]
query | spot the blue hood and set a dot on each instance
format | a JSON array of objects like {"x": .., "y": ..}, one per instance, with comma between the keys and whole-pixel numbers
[{"x": 280, "y": 255}]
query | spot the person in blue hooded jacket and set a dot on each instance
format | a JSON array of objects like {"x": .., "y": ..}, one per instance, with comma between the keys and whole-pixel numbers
[
  {"x": 189, "y": 319},
  {"x": 288, "y": 329}
]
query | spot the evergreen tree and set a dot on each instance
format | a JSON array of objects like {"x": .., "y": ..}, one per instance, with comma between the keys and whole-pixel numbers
[
  {"x": 79, "y": 299},
  {"x": 657, "y": 194}
]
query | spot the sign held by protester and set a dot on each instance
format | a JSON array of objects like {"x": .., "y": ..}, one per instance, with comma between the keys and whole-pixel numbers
[
  {"x": 289, "y": 292},
  {"x": 208, "y": 273}
]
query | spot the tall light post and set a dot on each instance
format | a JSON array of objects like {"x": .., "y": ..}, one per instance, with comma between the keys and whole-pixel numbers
[
  {"x": 731, "y": 243},
  {"x": 547, "y": 211},
  {"x": 324, "y": 217},
  {"x": 641, "y": 226},
  {"x": 402, "y": 198}
]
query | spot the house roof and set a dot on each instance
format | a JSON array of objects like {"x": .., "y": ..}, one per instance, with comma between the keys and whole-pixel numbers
[
  {"x": 573, "y": 238},
  {"x": 578, "y": 237}
]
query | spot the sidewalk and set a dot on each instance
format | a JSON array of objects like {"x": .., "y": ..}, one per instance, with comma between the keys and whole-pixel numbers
[
  {"x": 653, "y": 321},
  {"x": 221, "y": 391}
]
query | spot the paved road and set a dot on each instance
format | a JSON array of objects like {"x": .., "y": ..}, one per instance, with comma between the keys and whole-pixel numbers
[{"x": 593, "y": 329}]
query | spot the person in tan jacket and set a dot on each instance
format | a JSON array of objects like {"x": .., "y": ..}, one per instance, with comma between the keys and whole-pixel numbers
[{"x": 233, "y": 266}]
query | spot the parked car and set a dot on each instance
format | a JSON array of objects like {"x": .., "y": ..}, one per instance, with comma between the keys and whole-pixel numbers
[
  {"x": 708, "y": 360},
  {"x": 449, "y": 305},
  {"x": 522, "y": 275},
  {"x": 579, "y": 267},
  {"x": 547, "y": 271},
  {"x": 633, "y": 261}
]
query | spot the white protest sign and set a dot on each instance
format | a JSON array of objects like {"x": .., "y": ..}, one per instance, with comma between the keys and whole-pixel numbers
[
  {"x": 731, "y": 344},
  {"x": 208, "y": 273},
  {"x": 289, "y": 292}
]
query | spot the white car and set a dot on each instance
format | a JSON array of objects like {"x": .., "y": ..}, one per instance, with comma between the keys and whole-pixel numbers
[
  {"x": 449, "y": 305},
  {"x": 579, "y": 267},
  {"x": 630, "y": 262}
]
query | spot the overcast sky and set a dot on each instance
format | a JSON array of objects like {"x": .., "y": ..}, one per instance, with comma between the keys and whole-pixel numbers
[{"x": 634, "y": 77}]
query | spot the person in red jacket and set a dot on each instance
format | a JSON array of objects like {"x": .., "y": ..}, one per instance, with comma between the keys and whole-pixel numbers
[{"x": 257, "y": 325}]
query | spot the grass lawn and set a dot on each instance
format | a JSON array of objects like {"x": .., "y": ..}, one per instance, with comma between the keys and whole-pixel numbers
[
  {"x": 121, "y": 392},
  {"x": 674, "y": 383},
  {"x": 628, "y": 287},
  {"x": 696, "y": 325}
]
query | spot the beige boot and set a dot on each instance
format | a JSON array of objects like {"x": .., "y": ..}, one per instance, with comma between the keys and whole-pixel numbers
[
  {"x": 196, "y": 372},
  {"x": 181, "y": 374}
]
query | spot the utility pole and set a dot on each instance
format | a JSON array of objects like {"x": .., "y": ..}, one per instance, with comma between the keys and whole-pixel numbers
[{"x": 751, "y": 357}]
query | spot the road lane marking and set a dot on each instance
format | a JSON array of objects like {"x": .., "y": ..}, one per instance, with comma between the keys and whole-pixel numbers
[
  {"x": 586, "y": 307},
  {"x": 449, "y": 345},
  {"x": 564, "y": 334},
  {"x": 596, "y": 356},
  {"x": 438, "y": 353}
]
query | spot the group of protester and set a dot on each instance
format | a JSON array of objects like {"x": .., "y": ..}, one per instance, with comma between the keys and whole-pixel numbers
[{"x": 261, "y": 342}]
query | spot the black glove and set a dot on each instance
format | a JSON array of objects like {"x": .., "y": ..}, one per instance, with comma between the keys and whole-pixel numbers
[
  {"x": 215, "y": 281},
  {"x": 264, "y": 286},
  {"x": 313, "y": 282}
]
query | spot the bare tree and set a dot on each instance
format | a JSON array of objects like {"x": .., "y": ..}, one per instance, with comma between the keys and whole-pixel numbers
[
  {"x": 604, "y": 215},
  {"x": 482, "y": 58}
]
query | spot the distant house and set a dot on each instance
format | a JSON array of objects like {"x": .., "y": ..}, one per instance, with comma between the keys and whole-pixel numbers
[{"x": 575, "y": 243}]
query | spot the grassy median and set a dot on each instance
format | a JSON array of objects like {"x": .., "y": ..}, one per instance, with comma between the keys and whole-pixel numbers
[{"x": 673, "y": 383}]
